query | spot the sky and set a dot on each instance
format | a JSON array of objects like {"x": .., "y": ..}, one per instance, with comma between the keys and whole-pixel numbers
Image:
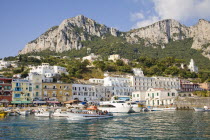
[{"x": 24, "y": 20}]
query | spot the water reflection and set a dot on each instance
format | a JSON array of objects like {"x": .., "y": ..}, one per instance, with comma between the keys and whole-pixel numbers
[{"x": 150, "y": 125}]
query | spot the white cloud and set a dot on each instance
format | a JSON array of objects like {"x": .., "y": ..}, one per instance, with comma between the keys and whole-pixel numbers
[
  {"x": 146, "y": 22},
  {"x": 136, "y": 16},
  {"x": 181, "y": 10}
]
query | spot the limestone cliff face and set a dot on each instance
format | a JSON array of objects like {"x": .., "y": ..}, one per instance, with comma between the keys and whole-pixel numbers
[
  {"x": 162, "y": 32},
  {"x": 68, "y": 35},
  {"x": 158, "y": 33}
]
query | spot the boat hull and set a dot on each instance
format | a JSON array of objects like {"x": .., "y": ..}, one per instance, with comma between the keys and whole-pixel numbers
[
  {"x": 3, "y": 114},
  {"x": 42, "y": 114},
  {"x": 125, "y": 109},
  {"x": 136, "y": 108},
  {"x": 199, "y": 109},
  {"x": 60, "y": 114},
  {"x": 78, "y": 116},
  {"x": 170, "y": 109}
]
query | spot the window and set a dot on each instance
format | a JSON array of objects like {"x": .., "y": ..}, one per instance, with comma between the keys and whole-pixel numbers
[
  {"x": 137, "y": 95},
  {"x": 17, "y": 89},
  {"x": 17, "y": 84},
  {"x": 45, "y": 93},
  {"x": 157, "y": 94},
  {"x": 17, "y": 95},
  {"x": 28, "y": 94},
  {"x": 133, "y": 95},
  {"x": 30, "y": 88},
  {"x": 148, "y": 94},
  {"x": 168, "y": 94},
  {"x": 173, "y": 94},
  {"x": 37, "y": 93},
  {"x": 37, "y": 86}
]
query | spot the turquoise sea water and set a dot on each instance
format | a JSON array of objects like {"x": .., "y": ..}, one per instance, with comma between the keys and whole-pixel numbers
[{"x": 147, "y": 125}]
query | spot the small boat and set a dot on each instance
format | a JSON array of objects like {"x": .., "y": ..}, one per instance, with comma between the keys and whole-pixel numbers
[
  {"x": 90, "y": 113},
  {"x": 169, "y": 109},
  {"x": 14, "y": 113},
  {"x": 206, "y": 109},
  {"x": 24, "y": 112},
  {"x": 3, "y": 113},
  {"x": 59, "y": 113},
  {"x": 42, "y": 113},
  {"x": 155, "y": 108},
  {"x": 198, "y": 109}
]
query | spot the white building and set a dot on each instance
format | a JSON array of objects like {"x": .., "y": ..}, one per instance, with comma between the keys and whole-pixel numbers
[
  {"x": 48, "y": 71},
  {"x": 192, "y": 66},
  {"x": 120, "y": 86},
  {"x": 114, "y": 57},
  {"x": 4, "y": 64},
  {"x": 92, "y": 57},
  {"x": 96, "y": 81},
  {"x": 138, "y": 72},
  {"x": 115, "y": 85},
  {"x": 144, "y": 83},
  {"x": 156, "y": 96},
  {"x": 84, "y": 92}
]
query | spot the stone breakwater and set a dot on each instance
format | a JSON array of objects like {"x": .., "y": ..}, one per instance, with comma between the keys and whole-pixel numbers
[{"x": 190, "y": 102}]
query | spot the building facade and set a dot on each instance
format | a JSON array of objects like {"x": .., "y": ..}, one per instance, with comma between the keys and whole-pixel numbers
[
  {"x": 187, "y": 86},
  {"x": 47, "y": 71},
  {"x": 156, "y": 96},
  {"x": 59, "y": 92},
  {"x": 85, "y": 92},
  {"x": 22, "y": 91},
  {"x": 144, "y": 83},
  {"x": 5, "y": 90}
]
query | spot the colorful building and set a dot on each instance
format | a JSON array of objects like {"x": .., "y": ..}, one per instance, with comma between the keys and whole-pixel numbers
[
  {"x": 56, "y": 92},
  {"x": 5, "y": 90},
  {"x": 22, "y": 91}
]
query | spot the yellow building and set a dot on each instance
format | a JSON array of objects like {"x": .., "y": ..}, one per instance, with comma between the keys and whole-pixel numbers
[
  {"x": 22, "y": 91},
  {"x": 56, "y": 92}
]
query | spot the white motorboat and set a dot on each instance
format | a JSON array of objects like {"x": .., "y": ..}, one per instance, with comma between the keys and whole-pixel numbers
[
  {"x": 90, "y": 113},
  {"x": 24, "y": 112},
  {"x": 42, "y": 113},
  {"x": 206, "y": 109},
  {"x": 115, "y": 106},
  {"x": 136, "y": 107},
  {"x": 198, "y": 109},
  {"x": 59, "y": 113}
]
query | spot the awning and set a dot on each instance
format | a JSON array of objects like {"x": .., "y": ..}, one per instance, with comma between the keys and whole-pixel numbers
[
  {"x": 4, "y": 101},
  {"x": 21, "y": 102},
  {"x": 39, "y": 102},
  {"x": 16, "y": 102},
  {"x": 53, "y": 102},
  {"x": 72, "y": 101},
  {"x": 25, "y": 102}
]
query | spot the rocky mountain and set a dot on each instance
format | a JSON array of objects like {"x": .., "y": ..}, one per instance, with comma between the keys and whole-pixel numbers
[
  {"x": 160, "y": 33},
  {"x": 69, "y": 34}
]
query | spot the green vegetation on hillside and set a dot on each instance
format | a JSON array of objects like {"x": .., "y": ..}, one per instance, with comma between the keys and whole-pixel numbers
[{"x": 153, "y": 61}]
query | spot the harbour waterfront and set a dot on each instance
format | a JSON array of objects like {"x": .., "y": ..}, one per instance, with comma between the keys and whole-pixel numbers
[{"x": 145, "y": 125}]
